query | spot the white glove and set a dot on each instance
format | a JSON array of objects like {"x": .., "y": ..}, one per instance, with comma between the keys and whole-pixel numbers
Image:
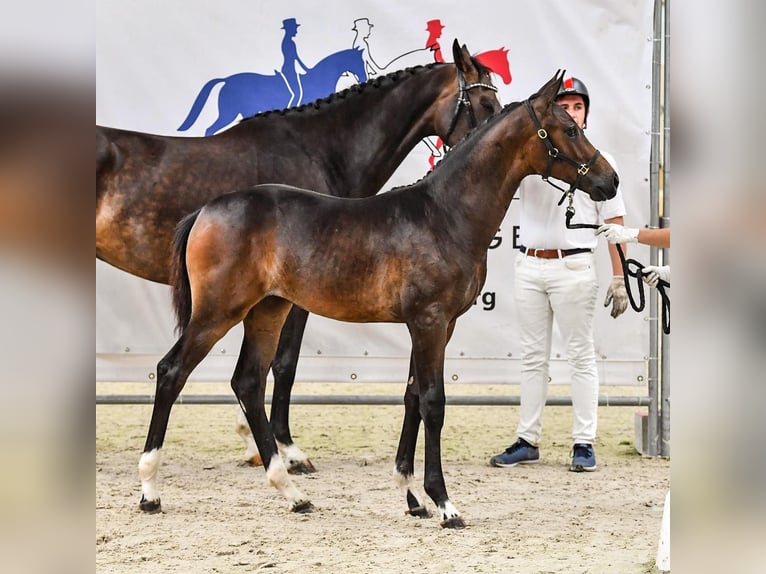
[
  {"x": 653, "y": 273},
  {"x": 616, "y": 233},
  {"x": 617, "y": 295}
]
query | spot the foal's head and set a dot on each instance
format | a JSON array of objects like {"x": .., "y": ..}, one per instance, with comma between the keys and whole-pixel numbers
[{"x": 563, "y": 151}]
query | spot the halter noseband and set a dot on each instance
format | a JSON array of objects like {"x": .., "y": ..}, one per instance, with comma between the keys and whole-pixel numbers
[{"x": 464, "y": 100}]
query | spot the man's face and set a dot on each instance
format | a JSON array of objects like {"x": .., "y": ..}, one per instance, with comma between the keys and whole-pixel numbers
[{"x": 574, "y": 106}]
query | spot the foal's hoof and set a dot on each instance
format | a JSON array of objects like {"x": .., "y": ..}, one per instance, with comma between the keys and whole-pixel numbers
[
  {"x": 454, "y": 522},
  {"x": 150, "y": 506},
  {"x": 301, "y": 467},
  {"x": 419, "y": 511},
  {"x": 303, "y": 507}
]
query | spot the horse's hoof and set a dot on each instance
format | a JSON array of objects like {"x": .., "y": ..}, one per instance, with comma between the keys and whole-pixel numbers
[
  {"x": 302, "y": 467},
  {"x": 419, "y": 511},
  {"x": 252, "y": 461},
  {"x": 303, "y": 507},
  {"x": 454, "y": 522},
  {"x": 150, "y": 506}
]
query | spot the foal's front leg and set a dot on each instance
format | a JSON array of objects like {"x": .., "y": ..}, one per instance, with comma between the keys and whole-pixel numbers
[
  {"x": 404, "y": 465},
  {"x": 429, "y": 338}
]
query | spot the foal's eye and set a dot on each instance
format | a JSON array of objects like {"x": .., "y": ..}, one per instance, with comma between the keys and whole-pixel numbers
[{"x": 571, "y": 132}]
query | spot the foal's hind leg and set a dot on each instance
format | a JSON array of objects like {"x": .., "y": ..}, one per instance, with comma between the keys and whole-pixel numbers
[
  {"x": 172, "y": 372},
  {"x": 283, "y": 368},
  {"x": 262, "y": 327}
]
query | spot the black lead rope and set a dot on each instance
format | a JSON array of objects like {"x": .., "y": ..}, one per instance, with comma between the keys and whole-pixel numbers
[{"x": 626, "y": 271}]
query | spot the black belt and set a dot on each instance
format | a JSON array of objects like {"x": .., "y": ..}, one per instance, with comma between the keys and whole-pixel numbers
[{"x": 554, "y": 253}]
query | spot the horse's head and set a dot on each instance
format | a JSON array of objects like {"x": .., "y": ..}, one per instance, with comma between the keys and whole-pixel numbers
[
  {"x": 466, "y": 101},
  {"x": 561, "y": 150}
]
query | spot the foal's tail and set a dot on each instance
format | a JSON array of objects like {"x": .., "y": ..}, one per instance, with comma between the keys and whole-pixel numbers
[
  {"x": 179, "y": 274},
  {"x": 199, "y": 103}
]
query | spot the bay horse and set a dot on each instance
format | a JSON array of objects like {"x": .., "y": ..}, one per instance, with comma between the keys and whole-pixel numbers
[
  {"x": 415, "y": 255},
  {"x": 347, "y": 145},
  {"x": 248, "y": 93}
]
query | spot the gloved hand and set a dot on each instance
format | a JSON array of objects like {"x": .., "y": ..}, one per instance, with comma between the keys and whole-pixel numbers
[
  {"x": 653, "y": 273},
  {"x": 617, "y": 295},
  {"x": 616, "y": 233}
]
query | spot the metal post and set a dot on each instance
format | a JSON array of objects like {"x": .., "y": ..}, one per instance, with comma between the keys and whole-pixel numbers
[
  {"x": 665, "y": 339},
  {"x": 652, "y": 448}
]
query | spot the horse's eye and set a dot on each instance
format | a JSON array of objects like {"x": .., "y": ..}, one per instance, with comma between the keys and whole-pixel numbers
[{"x": 571, "y": 132}]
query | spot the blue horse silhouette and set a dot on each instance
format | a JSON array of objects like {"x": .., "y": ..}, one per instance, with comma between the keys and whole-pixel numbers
[{"x": 248, "y": 93}]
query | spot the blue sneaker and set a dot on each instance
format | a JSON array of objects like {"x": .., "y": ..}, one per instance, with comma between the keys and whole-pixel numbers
[
  {"x": 583, "y": 458},
  {"x": 520, "y": 452}
]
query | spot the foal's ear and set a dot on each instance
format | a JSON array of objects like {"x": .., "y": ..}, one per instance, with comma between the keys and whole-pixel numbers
[
  {"x": 551, "y": 88},
  {"x": 461, "y": 57}
]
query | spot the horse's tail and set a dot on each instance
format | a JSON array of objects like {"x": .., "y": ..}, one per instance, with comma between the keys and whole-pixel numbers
[
  {"x": 199, "y": 103},
  {"x": 179, "y": 274}
]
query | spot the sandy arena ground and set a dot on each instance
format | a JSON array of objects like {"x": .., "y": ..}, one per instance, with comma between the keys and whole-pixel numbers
[{"x": 219, "y": 517}]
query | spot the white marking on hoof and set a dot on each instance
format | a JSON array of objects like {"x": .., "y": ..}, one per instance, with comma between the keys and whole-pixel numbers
[
  {"x": 449, "y": 511},
  {"x": 280, "y": 479},
  {"x": 148, "y": 465},
  {"x": 293, "y": 455},
  {"x": 402, "y": 481},
  {"x": 243, "y": 430}
]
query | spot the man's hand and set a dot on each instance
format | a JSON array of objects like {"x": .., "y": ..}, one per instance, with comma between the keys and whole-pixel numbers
[
  {"x": 616, "y": 233},
  {"x": 653, "y": 273},
  {"x": 617, "y": 295}
]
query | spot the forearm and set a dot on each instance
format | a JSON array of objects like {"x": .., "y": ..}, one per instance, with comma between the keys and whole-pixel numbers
[{"x": 655, "y": 237}]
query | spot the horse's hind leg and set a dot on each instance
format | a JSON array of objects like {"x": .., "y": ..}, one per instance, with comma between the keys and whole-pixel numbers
[
  {"x": 172, "y": 372},
  {"x": 262, "y": 327},
  {"x": 404, "y": 465}
]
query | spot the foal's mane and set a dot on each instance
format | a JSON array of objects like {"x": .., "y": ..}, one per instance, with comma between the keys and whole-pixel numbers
[
  {"x": 355, "y": 89},
  {"x": 474, "y": 133}
]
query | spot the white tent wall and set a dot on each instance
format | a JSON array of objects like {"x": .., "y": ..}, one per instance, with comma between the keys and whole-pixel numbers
[{"x": 153, "y": 58}]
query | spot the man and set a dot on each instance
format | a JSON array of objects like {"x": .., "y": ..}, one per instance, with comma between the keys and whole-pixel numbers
[{"x": 555, "y": 278}]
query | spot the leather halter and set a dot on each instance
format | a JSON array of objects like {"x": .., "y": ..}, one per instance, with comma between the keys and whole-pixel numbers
[
  {"x": 554, "y": 154},
  {"x": 464, "y": 100}
]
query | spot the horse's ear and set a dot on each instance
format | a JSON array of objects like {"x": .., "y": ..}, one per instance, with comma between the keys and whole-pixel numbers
[{"x": 461, "y": 56}]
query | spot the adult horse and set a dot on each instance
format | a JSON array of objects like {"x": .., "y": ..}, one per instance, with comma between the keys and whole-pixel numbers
[
  {"x": 247, "y": 93},
  {"x": 346, "y": 145},
  {"x": 415, "y": 255}
]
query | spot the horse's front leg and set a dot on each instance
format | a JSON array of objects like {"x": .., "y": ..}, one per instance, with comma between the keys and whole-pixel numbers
[
  {"x": 404, "y": 465},
  {"x": 262, "y": 327},
  {"x": 429, "y": 338}
]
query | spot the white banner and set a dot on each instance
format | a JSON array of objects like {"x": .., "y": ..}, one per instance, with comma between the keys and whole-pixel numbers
[{"x": 153, "y": 58}]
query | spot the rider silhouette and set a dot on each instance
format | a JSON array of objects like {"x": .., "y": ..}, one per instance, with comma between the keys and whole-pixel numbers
[
  {"x": 434, "y": 29},
  {"x": 290, "y": 53},
  {"x": 363, "y": 29}
]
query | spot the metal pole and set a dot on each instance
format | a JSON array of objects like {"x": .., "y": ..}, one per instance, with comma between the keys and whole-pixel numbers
[
  {"x": 460, "y": 400},
  {"x": 652, "y": 447},
  {"x": 665, "y": 339}
]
